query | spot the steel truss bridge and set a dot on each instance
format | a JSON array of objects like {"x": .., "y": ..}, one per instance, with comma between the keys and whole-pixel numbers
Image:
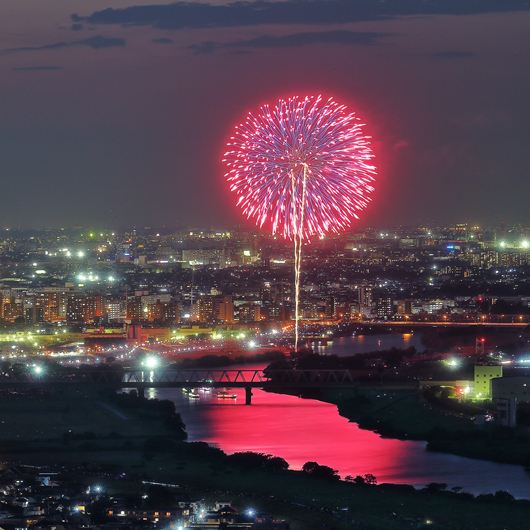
[{"x": 143, "y": 379}]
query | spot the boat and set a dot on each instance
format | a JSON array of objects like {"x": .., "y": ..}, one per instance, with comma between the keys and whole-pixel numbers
[
  {"x": 194, "y": 394},
  {"x": 224, "y": 394}
]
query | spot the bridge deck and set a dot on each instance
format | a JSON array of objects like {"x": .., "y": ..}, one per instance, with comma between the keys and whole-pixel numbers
[{"x": 186, "y": 378}]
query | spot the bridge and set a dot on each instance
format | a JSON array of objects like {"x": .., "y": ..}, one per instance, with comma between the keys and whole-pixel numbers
[
  {"x": 140, "y": 380},
  {"x": 516, "y": 322}
]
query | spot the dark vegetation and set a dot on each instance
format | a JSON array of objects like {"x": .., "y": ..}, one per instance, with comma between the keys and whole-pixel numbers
[
  {"x": 217, "y": 361},
  {"x": 508, "y": 340},
  {"x": 248, "y": 460}
]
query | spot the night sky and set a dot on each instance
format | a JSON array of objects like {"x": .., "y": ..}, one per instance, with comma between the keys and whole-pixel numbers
[{"x": 117, "y": 114}]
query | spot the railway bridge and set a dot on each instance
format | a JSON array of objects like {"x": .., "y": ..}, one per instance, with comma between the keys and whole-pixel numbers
[{"x": 140, "y": 380}]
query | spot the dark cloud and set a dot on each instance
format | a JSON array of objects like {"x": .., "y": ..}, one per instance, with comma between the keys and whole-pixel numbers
[
  {"x": 454, "y": 55},
  {"x": 241, "y": 52},
  {"x": 163, "y": 41},
  {"x": 295, "y": 40},
  {"x": 102, "y": 42},
  {"x": 36, "y": 68},
  {"x": 77, "y": 27},
  {"x": 93, "y": 42},
  {"x": 206, "y": 47},
  {"x": 202, "y": 15},
  {"x": 54, "y": 46}
]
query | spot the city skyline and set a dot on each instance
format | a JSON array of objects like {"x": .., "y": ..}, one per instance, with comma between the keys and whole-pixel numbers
[{"x": 119, "y": 115}]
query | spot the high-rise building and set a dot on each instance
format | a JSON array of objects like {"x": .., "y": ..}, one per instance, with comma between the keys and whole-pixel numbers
[
  {"x": 330, "y": 307},
  {"x": 206, "y": 308},
  {"x": 224, "y": 308},
  {"x": 385, "y": 306}
]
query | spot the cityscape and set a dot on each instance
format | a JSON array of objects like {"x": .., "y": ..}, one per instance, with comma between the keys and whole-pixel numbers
[
  {"x": 436, "y": 312},
  {"x": 264, "y": 265},
  {"x": 86, "y": 278}
]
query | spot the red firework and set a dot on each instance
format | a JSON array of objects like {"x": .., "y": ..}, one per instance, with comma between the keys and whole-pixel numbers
[{"x": 303, "y": 166}]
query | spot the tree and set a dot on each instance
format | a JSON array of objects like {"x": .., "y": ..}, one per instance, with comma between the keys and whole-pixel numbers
[
  {"x": 435, "y": 487},
  {"x": 309, "y": 467},
  {"x": 316, "y": 470},
  {"x": 175, "y": 424},
  {"x": 247, "y": 460},
  {"x": 276, "y": 462},
  {"x": 370, "y": 479},
  {"x": 503, "y": 496}
]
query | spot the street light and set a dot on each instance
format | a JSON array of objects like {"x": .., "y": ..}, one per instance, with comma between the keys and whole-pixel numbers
[{"x": 151, "y": 362}]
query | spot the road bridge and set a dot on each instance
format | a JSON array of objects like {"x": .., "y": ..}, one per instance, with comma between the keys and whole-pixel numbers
[
  {"x": 140, "y": 380},
  {"x": 440, "y": 324}
]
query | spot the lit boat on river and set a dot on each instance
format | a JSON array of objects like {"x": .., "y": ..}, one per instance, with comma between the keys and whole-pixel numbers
[{"x": 224, "y": 394}]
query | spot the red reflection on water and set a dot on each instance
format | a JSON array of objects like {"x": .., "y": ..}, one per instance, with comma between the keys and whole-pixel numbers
[{"x": 301, "y": 430}]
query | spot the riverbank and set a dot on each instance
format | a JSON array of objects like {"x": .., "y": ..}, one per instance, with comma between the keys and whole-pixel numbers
[
  {"x": 96, "y": 431},
  {"x": 136, "y": 440},
  {"x": 407, "y": 416}
]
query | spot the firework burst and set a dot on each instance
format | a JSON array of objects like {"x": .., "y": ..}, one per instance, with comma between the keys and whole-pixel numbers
[{"x": 303, "y": 166}]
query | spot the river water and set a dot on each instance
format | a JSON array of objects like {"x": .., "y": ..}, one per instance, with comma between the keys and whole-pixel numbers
[
  {"x": 300, "y": 430},
  {"x": 345, "y": 346}
]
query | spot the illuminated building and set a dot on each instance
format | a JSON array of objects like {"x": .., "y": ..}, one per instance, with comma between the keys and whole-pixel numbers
[
  {"x": 249, "y": 313},
  {"x": 274, "y": 312},
  {"x": 123, "y": 254},
  {"x": 224, "y": 308},
  {"x": 48, "y": 304},
  {"x": 116, "y": 310},
  {"x": 310, "y": 310},
  {"x": 134, "y": 309},
  {"x": 215, "y": 308},
  {"x": 385, "y": 307},
  {"x": 511, "y": 387},
  {"x": 12, "y": 310},
  {"x": 206, "y": 308},
  {"x": 404, "y": 307},
  {"x": 483, "y": 377},
  {"x": 160, "y": 311},
  {"x": 329, "y": 311},
  {"x": 84, "y": 308},
  {"x": 365, "y": 299}
]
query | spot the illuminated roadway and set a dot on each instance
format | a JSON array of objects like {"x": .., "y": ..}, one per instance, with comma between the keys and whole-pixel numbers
[{"x": 414, "y": 323}]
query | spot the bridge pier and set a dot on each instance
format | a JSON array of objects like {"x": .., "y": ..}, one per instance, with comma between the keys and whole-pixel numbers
[
  {"x": 248, "y": 395},
  {"x": 141, "y": 392}
]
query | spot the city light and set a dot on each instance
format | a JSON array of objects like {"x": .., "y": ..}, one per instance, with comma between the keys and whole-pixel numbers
[{"x": 151, "y": 363}]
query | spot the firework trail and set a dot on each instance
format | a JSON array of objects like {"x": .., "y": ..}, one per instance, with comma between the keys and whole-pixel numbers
[{"x": 303, "y": 167}]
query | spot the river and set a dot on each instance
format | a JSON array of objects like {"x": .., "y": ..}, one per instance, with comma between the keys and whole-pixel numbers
[
  {"x": 344, "y": 346},
  {"x": 300, "y": 430}
]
